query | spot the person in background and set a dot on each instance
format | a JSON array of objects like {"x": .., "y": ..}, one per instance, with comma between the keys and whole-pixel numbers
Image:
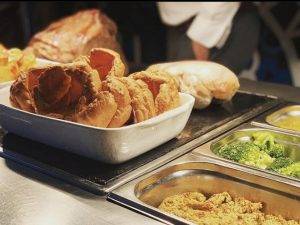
[{"x": 224, "y": 32}]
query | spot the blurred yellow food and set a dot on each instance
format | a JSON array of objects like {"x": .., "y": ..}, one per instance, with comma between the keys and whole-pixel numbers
[
  {"x": 2, "y": 47},
  {"x": 12, "y": 61}
]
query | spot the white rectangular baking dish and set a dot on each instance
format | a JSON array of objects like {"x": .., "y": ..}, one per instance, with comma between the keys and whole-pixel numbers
[
  {"x": 110, "y": 145},
  {"x": 5, "y": 84}
]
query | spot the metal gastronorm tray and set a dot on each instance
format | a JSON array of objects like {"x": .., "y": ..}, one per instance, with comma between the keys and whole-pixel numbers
[
  {"x": 209, "y": 176},
  {"x": 243, "y": 132}
]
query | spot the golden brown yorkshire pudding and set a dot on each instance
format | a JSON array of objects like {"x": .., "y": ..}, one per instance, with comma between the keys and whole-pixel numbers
[
  {"x": 122, "y": 98},
  {"x": 163, "y": 88},
  {"x": 99, "y": 112},
  {"x": 141, "y": 99},
  {"x": 20, "y": 96},
  {"x": 75, "y": 92},
  {"x": 55, "y": 90},
  {"x": 60, "y": 87},
  {"x": 107, "y": 62}
]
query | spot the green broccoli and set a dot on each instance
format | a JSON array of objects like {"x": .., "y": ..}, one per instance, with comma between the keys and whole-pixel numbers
[
  {"x": 257, "y": 158},
  {"x": 280, "y": 163},
  {"x": 292, "y": 170},
  {"x": 246, "y": 153},
  {"x": 267, "y": 143},
  {"x": 262, "y": 152},
  {"x": 234, "y": 151},
  {"x": 262, "y": 138}
]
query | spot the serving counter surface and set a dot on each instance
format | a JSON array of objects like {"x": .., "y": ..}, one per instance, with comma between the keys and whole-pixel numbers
[{"x": 29, "y": 197}]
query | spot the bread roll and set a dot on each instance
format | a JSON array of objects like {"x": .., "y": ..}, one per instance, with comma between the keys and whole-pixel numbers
[
  {"x": 202, "y": 79},
  {"x": 75, "y": 35}
]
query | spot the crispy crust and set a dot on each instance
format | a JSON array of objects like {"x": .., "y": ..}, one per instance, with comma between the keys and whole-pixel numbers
[
  {"x": 122, "y": 98},
  {"x": 140, "y": 99},
  {"x": 148, "y": 98},
  {"x": 99, "y": 112},
  {"x": 59, "y": 91},
  {"x": 54, "y": 84},
  {"x": 163, "y": 87},
  {"x": 121, "y": 116},
  {"x": 19, "y": 94},
  {"x": 107, "y": 62},
  {"x": 55, "y": 90}
]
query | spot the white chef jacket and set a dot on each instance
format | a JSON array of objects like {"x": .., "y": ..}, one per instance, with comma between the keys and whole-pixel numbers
[{"x": 211, "y": 25}]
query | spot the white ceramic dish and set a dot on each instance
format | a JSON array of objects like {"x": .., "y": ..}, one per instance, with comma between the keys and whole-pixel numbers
[
  {"x": 39, "y": 62},
  {"x": 5, "y": 84},
  {"x": 110, "y": 145}
]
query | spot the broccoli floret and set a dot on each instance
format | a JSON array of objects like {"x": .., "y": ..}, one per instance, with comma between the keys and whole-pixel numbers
[
  {"x": 292, "y": 170},
  {"x": 234, "y": 151},
  {"x": 267, "y": 143},
  {"x": 276, "y": 150},
  {"x": 280, "y": 163},
  {"x": 257, "y": 158},
  {"x": 246, "y": 153},
  {"x": 262, "y": 138}
]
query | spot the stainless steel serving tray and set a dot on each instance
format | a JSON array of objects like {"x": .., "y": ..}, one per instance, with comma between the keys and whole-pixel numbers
[
  {"x": 267, "y": 119},
  {"x": 293, "y": 111},
  {"x": 207, "y": 175},
  {"x": 243, "y": 133}
]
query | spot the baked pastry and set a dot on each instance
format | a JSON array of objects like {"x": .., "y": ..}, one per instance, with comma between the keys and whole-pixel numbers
[
  {"x": 107, "y": 62},
  {"x": 204, "y": 80},
  {"x": 99, "y": 112},
  {"x": 55, "y": 90},
  {"x": 75, "y": 92},
  {"x": 75, "y": 35},
  {"x": 19, "y": 94},
  {"x": 142, "y": 101},
  {"x": 163, "y": 88},
  {"x": 122, "y": 99}
]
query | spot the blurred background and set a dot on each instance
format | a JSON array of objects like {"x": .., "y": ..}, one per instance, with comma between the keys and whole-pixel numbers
[{"x": 146, "y": 40}]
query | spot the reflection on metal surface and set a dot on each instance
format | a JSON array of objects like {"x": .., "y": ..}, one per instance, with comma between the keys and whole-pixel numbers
[
  {"x": 286, "y": 118},
  {"x": 28, "y": 197},
  {"x": 208, "y": 176}
]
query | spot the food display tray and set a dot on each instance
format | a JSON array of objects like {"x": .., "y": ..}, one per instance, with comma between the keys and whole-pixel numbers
[
  {"x": 101, "y": 178},
  {"x": 266, "y": 119},
  {"x": 243, "y": 133},
  {"x": 208, "y": 176}
]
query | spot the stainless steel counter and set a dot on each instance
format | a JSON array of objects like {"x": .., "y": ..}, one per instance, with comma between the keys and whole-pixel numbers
[{"x": 28, "y": 197}]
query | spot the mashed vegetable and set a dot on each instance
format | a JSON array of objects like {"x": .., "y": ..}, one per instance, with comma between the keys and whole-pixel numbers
[
  {"x": 219, "y": 209},
  {"x": 289, "y": 122}
]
